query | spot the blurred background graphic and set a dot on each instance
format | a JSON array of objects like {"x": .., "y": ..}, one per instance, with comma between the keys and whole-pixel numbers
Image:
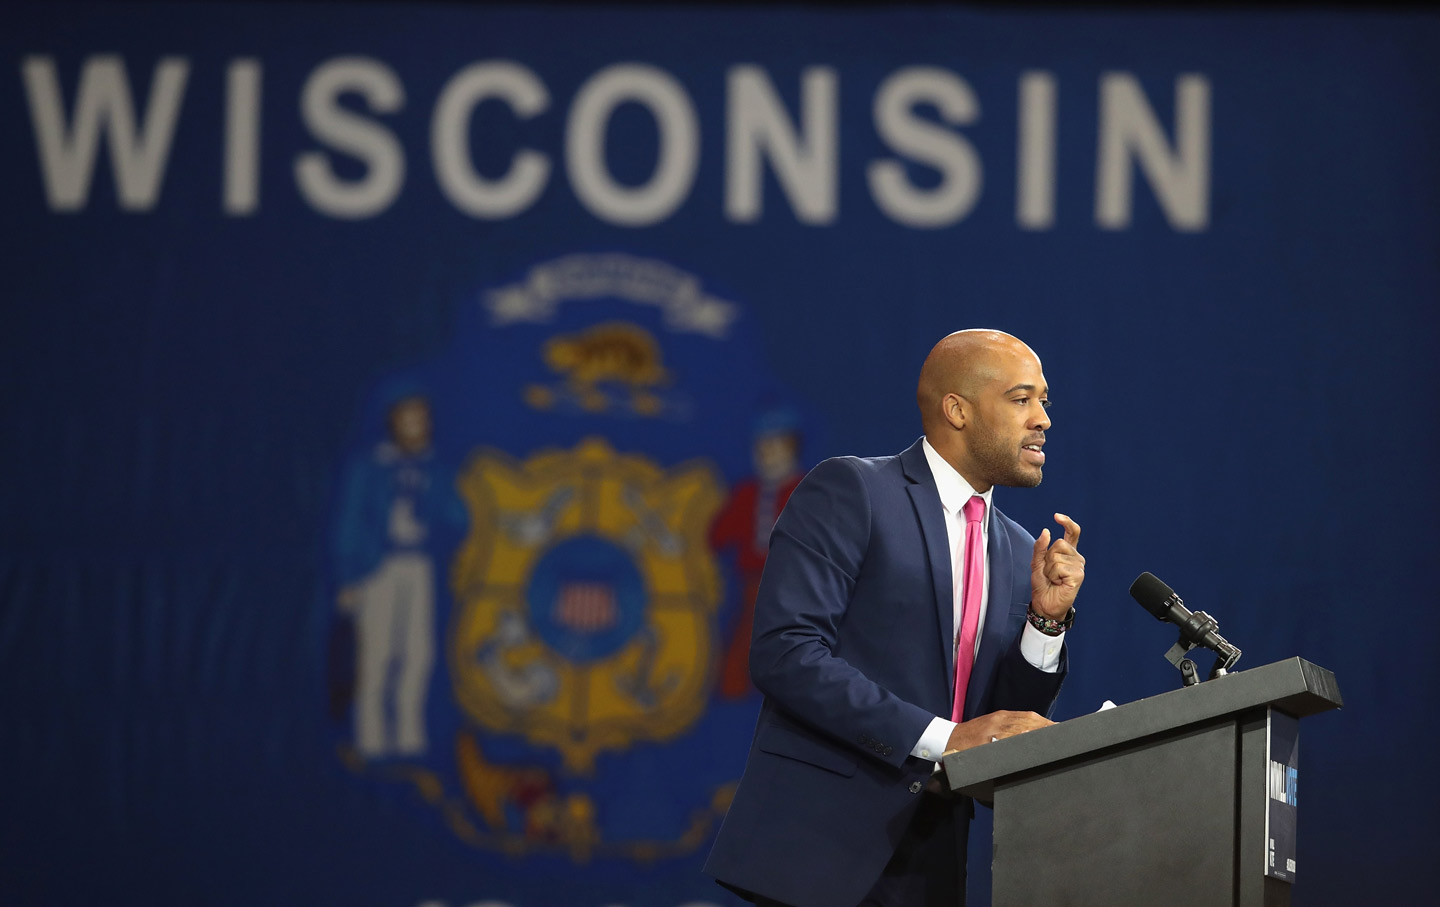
[{"x": 396, "y": 398}]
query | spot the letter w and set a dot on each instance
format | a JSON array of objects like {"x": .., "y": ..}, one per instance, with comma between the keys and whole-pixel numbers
[{"x": 103, "y": 102}]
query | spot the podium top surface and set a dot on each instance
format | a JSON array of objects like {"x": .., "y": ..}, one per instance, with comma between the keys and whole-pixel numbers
[{"x": 1294, "y": 686}]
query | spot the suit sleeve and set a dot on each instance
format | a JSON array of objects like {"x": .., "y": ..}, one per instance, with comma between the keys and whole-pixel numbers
[
  {"x": 1021, "y": 686},
  {"x": 816, "y": 553}
]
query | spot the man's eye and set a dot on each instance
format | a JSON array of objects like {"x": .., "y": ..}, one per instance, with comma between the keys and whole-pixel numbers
[{"x": 1045, "y": 403}]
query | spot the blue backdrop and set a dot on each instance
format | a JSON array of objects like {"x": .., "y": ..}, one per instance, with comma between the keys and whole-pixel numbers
[{"x": 377, "y": 381}]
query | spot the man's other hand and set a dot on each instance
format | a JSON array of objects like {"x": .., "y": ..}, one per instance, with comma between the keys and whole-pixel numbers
[{"x": 994, "y": 726}]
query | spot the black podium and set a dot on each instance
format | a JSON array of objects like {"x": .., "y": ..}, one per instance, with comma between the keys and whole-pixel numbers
[{"x": 1186, "y": 798}]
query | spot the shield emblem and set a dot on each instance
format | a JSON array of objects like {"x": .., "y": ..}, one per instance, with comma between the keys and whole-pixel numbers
[{"x": 585, "y": 595}]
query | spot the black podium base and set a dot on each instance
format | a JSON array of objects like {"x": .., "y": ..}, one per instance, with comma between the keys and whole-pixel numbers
[{"x": 1187, "y": 798}]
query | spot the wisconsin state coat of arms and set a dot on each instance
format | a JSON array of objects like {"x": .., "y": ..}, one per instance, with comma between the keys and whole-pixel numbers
[{"x": 532, "y": 585}]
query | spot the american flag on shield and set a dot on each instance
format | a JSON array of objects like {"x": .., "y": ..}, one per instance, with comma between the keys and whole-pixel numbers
[{"x": 586, "y": 606}]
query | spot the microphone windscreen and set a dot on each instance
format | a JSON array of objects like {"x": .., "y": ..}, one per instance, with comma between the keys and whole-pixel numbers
[{"x": 1152, "y": 594}]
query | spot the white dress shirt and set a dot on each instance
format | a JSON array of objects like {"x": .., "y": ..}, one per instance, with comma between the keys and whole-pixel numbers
[{"x": 1040, "y": 650}]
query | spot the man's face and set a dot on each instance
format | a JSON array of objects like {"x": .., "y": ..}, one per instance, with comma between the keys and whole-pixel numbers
[
  {"x": 1007, "y": 431},
  {"x": 777, "y": 456},
  {"x": 410, "y": 424}
]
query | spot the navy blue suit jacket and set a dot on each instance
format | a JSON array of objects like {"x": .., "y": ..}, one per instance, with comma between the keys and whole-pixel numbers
[{"x": 852, "y": 647}]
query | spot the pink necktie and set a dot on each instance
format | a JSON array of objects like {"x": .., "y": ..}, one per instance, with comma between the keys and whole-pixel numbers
[{"x": 973, "y": 583}]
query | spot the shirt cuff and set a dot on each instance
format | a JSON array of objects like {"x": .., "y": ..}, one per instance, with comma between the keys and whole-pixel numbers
[
  {"x": 934, "y": 740},
  {"x": 1043, "y": 652}
]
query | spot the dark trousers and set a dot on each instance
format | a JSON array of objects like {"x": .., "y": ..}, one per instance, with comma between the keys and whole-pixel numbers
[{"x": 928, "y": 867}]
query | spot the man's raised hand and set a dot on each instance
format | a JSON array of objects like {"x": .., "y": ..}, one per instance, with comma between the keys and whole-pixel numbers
[{"x": 1056, "y": 571}]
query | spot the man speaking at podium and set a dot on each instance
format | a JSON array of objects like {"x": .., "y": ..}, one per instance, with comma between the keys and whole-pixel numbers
[{"x": 900, "y": 616}]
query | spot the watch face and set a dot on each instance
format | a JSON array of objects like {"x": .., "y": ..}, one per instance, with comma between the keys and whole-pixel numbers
[{"x": 1046, "y": 625}]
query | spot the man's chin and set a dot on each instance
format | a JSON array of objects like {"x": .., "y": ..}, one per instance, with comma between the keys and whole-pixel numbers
[{"x": 1026, "y": 478}]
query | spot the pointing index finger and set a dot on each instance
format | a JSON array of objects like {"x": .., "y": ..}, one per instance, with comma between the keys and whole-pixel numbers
[
  {"x": 1072, "y": 528},
  {"x": 1037, "y": 556}
]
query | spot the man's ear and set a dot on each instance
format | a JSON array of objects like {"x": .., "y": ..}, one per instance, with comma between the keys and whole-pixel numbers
[{"x": 954, "y": 408}]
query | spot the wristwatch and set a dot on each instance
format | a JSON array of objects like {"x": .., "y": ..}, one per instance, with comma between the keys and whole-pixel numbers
[{"x": 1046, "y": 625}]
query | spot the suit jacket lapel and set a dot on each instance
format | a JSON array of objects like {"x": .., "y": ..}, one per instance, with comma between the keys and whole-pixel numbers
[{"x": 926, "y": 500}]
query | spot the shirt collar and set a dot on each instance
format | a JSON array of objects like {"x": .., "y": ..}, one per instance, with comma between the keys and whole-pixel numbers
[{"x": 954, "y": 490}]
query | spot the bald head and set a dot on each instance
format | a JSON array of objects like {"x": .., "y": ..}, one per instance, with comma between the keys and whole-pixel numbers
[
  {"x": 983, "y": 401},
  {"x": 962, "y": 363}
]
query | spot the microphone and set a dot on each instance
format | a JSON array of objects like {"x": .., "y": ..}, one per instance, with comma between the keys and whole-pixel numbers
[{"x": 1197, "y": 628}]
